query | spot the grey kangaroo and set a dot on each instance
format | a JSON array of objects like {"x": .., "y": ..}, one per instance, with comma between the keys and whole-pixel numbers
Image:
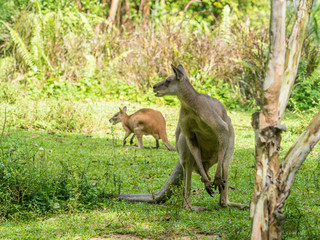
[
  {"x": 145, "y": 121},
  {"x": 204, "y": 137}
]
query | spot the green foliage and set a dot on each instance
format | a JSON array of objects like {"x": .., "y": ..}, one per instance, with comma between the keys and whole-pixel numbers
[
  {"x": 58, "y": 69},
  {"x": 27, "y": 184},
  {"x": 225, "y": 26},
  {"x": 27, "y": 57},
  {"x": 58, "y": 43},
  {"x": 299, "y": 222},
  {"x": 306, "y": 94},
  {"x": 51, "y": 49},
  {"x": 6, "y": 65}
]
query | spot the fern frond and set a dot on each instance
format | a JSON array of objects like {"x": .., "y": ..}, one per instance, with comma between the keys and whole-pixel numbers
[
  {"x": 226, "y": 23},
  {"x": 37, "y": 43},
  {"x": 91, "y": 67},
  {"x": 37, "y": 5},
  {"x": 26, "y": 55},
  {"x": 5, "y": 64},
  {"x": 49, "y": 26},
  {"x": 36, "y": 39},
  {"x": 117, "y": 59},
  {"x": 87, "y": 25}
]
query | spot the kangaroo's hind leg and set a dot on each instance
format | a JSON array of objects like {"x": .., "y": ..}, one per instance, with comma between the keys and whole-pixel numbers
[{"x": 131, "y": 140}]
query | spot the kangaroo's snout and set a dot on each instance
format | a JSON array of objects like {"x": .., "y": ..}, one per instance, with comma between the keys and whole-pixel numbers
[
  {"x": 156, "y": 90},
  {"x": 154, "y": 87}
]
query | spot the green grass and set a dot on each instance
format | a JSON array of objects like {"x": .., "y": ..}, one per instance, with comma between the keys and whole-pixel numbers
[{"x": 89, "y": 150}]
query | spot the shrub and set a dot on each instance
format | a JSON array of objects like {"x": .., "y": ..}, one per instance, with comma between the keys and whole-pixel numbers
[
  {"x": 306, "y": 94},
  {"x": 27, "y": 185}
]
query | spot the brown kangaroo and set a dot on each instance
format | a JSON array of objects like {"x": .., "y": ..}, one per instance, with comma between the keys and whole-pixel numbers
[
  {"x": 145, "y": 121},
  {"x": 204, "y": 137}
]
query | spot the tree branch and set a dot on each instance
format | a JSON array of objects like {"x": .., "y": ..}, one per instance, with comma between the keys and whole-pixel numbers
[
  {"x": 293, "y": 53},
  {"x": 296, "y": 156}
]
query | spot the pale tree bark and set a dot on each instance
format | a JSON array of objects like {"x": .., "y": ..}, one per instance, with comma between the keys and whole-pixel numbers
[
  {"x": 268, "y": 137},
  {"x": 273, "y": 182},
  {"x": 100, "y": 27},
  {"x": 144, "y": 11},
  {"x": 293, "y": 53},
  {"x": 113, "y": 10},
  {"x": 79, "y": 5},
  {"x": 295, "y": 157}
]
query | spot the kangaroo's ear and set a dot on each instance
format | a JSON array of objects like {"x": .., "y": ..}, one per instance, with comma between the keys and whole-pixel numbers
[
  {"x": 174, "y": 69},
  {"x": 124, "y": 108},
  {"x": 179, "y": 71}
]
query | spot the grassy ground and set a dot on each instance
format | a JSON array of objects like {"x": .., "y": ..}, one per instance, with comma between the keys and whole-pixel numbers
[{"x": 77, "y": 136}]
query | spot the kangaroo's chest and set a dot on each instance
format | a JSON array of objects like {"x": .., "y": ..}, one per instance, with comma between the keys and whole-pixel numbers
[{"x": 196, "y": 129}]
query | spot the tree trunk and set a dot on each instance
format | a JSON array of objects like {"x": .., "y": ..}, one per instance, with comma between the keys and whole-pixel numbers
[
  {"x": 113, "y": 10},
  {"x": 273, "y": 182},
  {"x": 269, "y": 137},
  {"x": 79, "y": 5}
]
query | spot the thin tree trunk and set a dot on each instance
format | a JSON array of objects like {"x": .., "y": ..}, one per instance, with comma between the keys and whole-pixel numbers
[
  {"x": 113, "y": 10},
  {"x": 293, "y": 53},
  {"x": 78, "y": 3},
  {"x": 264, "y": 224}
]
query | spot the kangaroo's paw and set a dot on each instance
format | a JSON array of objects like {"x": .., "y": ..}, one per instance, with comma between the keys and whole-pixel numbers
[
  {"x": 218, "y": 183},
  {"x": 208, "y": 187}
]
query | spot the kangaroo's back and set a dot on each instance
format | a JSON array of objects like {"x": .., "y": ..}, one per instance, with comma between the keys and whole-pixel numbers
[{"x": 149, "y": 117}]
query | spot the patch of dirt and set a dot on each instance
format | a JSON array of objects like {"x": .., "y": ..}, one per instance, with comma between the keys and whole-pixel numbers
[
  {"x": 133, "y": 237},
  {"x": 118, "y": 236}
]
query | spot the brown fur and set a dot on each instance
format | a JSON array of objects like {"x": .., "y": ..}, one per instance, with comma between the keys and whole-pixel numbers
[{"x": 145, "y": 121}]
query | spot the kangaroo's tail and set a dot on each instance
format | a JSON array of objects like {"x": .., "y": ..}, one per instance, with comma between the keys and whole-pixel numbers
[{"x": 175, "y": 179}]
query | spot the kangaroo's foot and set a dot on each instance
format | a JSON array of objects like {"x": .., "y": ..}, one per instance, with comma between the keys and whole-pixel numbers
[
  {"x": 197, "y": 208},
  {"x": 232, "y": 204},
  {"x": 219, "y": 183}
]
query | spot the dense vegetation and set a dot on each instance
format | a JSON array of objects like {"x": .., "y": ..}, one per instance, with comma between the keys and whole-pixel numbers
[
  {"x": 58, "y": 48},
  {"x": 64, "y": 69}
]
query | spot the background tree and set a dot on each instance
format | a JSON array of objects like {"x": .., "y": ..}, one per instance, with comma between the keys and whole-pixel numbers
[{"x": 113, "y": 10}]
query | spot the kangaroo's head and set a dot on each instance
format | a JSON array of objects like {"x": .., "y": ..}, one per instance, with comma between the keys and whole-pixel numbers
[
  {"x": 172, "y": 85},
  {"x": 118, "y": 116}
]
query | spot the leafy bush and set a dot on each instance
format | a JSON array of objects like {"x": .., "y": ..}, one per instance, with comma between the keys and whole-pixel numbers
[
  {"x": 27, "y": 185},
  {"x": 306, "y": 93}
]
